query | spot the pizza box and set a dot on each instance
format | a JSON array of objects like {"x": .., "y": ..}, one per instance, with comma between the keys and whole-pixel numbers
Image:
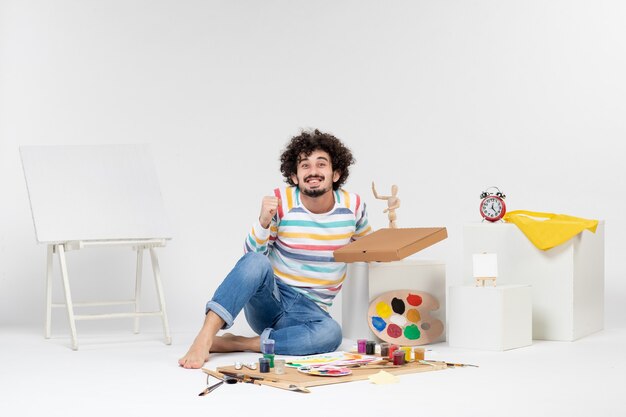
[{"x": 386, "y": 245}]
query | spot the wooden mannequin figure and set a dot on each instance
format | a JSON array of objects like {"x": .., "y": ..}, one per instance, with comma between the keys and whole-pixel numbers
[{"x": 393, "y": 202}]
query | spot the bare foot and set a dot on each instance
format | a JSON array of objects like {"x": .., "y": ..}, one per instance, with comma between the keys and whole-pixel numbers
[
  {"x": 198, "y": 353},
  {"x": 196, "y": 356}
]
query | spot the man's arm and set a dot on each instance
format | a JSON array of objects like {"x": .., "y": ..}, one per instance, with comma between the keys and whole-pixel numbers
[
  {"x": 362, "y": 225},
  {"x": 263, "y": 232}
]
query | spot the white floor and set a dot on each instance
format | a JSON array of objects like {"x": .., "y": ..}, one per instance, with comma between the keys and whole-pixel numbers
[{"x": 124, "y": 373}]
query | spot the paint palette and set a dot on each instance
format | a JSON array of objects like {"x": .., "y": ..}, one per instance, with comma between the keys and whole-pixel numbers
[
  {"x": 402, "y": 317},
  {"x": 325, "y": 370},
  {"x": 338, "y": 358}
]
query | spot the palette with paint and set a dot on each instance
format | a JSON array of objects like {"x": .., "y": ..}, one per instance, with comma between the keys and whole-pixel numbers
[
  {"x": 402, "y": 317},
  {"x": 325, "y": 370},
  {"x": 338, "y": 358}
]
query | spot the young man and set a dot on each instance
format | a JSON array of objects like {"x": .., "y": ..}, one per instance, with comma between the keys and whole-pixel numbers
[{"x": 288, "y": 277}]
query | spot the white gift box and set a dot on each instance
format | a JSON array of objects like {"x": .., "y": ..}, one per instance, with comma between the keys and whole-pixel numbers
[
  {"x": 490, "y": 318},
  {"x": 366, "y": 281},
  {"x": 411, "y": 274},
  {"x": 567, "y": 281}
]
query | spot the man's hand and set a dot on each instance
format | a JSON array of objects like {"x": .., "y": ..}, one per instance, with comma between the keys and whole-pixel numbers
[{"x": 269, "y": 206}]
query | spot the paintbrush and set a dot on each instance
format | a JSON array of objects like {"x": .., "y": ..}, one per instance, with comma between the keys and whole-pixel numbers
[
  {"x": 372, "y": 366},
  {"x": 262, "y": 381},
  {"x": 459, "y": 365},
  {"x": 449, "y": 364}
]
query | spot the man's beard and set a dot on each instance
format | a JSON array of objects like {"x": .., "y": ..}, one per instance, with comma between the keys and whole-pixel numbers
[
  {"x": 314, "y": 193},
  {"x": 318, "y": 192}
]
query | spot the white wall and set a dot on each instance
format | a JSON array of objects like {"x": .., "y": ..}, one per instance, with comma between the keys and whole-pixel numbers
[{"x": 443, "y": 98}]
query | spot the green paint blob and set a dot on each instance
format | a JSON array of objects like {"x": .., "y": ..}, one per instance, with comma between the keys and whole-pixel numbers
[{"x": 412, "y": 332}]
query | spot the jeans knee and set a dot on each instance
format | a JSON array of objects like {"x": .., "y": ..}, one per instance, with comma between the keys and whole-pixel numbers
[
  {"x": 256, "y": 265},
  {"x": 328, "y": 336}
]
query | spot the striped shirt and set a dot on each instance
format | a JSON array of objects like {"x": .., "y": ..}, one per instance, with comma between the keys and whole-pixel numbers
[{"x": 300, "y": 244}]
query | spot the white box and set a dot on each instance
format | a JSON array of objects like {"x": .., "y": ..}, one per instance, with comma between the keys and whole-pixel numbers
[
  {"x": 411, "y": 274},
  {"x": 490, "y": 318},
  {"x": 366, "y": 281},
  {"x": 567, "y": 281}
]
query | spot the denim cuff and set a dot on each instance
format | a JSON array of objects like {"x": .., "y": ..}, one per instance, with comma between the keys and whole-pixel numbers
[
  {"x": 220, "y": 311},
  {"x": 264, "y": 336}
]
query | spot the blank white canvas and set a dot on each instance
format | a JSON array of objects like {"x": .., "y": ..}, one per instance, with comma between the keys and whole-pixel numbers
[
  {"x": 485, "y": 265},
  {"x": 97, "y": 192}
]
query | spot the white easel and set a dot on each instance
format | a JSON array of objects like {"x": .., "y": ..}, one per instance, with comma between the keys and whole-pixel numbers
[{"x": 90, "y": 197}]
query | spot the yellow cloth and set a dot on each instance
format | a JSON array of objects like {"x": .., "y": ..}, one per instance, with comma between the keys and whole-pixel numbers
[{"x": 547, "y": 230}]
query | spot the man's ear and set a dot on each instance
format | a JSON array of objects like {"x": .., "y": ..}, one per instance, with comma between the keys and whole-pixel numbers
[
  {"x": 336, "y": 176},
  {"x": 294, "y": 179}
]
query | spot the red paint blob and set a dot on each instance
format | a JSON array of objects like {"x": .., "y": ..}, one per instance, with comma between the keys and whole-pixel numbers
[
  {"x": 394, "y": 330},
  {"x": 414, "y": 299}
]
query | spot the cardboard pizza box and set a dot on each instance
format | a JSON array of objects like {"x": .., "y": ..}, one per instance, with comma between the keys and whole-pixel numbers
[{"x": 386, "y": 245}]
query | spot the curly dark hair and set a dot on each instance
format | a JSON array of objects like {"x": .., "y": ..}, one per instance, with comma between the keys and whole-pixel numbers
[{"x": 308, "y": 142}]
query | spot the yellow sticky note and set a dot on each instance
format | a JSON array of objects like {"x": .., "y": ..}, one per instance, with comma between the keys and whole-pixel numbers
[{"x": 383, "y": 378}]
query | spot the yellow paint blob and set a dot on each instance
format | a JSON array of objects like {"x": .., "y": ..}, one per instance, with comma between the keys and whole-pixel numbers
[
  {"x": 383, "y": 309},
  {"x": 413, "y": 315}
]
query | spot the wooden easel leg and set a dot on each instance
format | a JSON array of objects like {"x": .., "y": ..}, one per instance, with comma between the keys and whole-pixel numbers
[
  {"x": 49, "y": 260},
  {"x": 157, "y": 280},
  {"x": 68, "y": 296},
  {"x": 138, "y": 275}
]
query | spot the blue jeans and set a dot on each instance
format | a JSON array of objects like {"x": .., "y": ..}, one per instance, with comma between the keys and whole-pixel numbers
[{"x": 274, "y": 310}]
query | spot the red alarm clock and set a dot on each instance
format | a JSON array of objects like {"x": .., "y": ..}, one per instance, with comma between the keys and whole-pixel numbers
[{"x": 492, "y": 206}]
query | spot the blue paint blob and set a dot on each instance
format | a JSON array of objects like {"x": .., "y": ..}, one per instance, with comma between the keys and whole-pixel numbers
[{"x": 378, "y": 323}]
